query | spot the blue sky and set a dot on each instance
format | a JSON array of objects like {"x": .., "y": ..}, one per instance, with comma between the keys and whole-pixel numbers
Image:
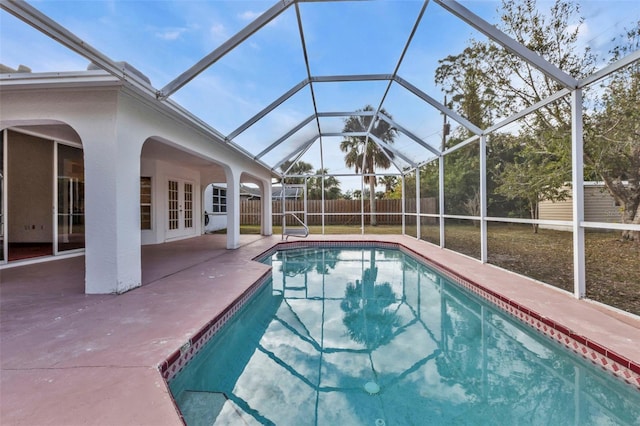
[{"x": 162, "y": 38}]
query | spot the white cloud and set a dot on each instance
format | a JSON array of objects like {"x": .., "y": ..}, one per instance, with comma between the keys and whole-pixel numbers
[
  {"x": 170, "y": 33},
  {"x": 218, "y": 32},
  {"x": 248, "y": 15}
]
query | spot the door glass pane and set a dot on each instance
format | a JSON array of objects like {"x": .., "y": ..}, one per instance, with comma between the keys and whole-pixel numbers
[
  {"x": 70, "y": 198},
  {"x": 174, "y": 219},
  {"x": 188, "y": 205}
]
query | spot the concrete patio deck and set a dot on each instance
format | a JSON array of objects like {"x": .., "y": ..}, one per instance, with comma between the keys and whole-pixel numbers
[{"x": 68, "y": 358}]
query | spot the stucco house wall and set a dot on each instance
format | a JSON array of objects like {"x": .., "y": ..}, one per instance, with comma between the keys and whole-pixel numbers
[{"x": 126, "y": 134}]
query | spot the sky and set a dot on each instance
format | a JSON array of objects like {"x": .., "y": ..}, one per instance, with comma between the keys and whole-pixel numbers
[{"x": 163, "y": 38}]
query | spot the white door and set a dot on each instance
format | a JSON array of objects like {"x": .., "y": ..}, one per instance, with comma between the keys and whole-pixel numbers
[{"x": 179, "y": 208}]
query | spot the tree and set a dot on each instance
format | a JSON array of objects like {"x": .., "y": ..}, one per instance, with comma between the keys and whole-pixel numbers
[
  {"x": 486, "y": 76},
  {"x": 299, "y": 168},
  {"x": 331, "y": 186},
  {"x": 533, "y": 176},
  {"x": 612, "y": 144},
  {"x": 364, "y": 154},
  {"x": 509, "y": 84},
  {"x": 390, "y": 183},
  {"x": 461, "y": 76},
  {"x": 366, "y": 305}
]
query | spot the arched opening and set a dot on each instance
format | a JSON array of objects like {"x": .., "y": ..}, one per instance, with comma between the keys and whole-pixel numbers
[
  {"x": 252, "y": 199},
  {"x": 173, "y": 191}
]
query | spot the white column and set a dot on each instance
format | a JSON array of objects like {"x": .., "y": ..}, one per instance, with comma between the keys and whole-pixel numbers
[
  {"x": 441, "y": 197},
  {"x": 418, "y": 235},
  {"x": 577, "y": 171},
  {"x": 233, "y": 207},
  {"x": 483, "y": 199},
  {"x": 112, "y": 201},
  {"x": 266, "y": 222},
  {"x": 404, "y": 213}
]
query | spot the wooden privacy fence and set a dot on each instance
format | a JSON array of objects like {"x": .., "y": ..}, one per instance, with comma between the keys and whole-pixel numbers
[{"x": 336, "y": 212}]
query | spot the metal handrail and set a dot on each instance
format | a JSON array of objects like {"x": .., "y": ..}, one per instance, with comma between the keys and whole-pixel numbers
[{"x": 284, "y": 227}]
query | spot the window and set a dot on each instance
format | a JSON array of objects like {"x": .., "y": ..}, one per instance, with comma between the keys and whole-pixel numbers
[
  {"x": 145, "y": 202},
  {"x": 219, "y": 200}
]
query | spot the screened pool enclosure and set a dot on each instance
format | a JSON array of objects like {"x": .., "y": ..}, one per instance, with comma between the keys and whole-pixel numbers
[{"x": 448, "y": 121}]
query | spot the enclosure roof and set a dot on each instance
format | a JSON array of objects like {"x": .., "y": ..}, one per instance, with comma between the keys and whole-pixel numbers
[{"x": 277, "y": 80}]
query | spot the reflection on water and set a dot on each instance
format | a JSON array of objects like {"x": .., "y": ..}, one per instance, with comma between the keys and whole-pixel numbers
[
  {"x": 365, "y": 305},
  {"x": 334, "y": 320}
]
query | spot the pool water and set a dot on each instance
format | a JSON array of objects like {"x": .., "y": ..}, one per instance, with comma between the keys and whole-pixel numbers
[{"x": 370, "y": 336}]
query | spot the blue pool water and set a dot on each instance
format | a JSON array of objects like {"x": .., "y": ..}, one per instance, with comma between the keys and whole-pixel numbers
[{"x": 373, "y": 337}]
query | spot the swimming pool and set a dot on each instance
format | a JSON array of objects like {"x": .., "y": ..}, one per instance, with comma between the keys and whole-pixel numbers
[{"x": 373, "y": 336}]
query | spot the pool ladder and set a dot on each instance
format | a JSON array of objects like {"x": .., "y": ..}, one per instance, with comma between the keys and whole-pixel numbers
[{"x": 302, "y": 230}]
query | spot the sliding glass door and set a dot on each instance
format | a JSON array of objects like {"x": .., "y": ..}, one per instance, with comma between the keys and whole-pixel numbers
[{"x": 70, "y": 206}]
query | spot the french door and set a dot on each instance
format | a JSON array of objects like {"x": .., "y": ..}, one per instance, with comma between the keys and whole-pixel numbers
[{"x": 180, "y": 208}]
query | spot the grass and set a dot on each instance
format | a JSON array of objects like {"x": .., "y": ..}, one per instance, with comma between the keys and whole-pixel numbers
[
  {"x": 612, "y": 265},
  {"x": 332, "y": 229}
]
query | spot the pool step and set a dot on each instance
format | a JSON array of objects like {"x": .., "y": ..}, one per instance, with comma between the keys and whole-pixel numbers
[
  {"x": 296, "y": 232},
  {"x": 208, "y": 408}
]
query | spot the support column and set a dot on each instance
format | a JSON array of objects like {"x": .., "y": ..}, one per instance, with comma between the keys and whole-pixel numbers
[
  {"x": 112, "y": 220},
  {"x": 233, "y": 207},
  {"x": 404, "y": 213},
  {"x": 418, "y": 218},
  {"x": 266, "y": 227},
  {"x": 483, "y": 199},
  {"x": 441, "y": 197},
  {"x": 577, "y": 172}
]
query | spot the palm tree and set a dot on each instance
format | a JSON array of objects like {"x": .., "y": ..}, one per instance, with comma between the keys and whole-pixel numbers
[
  {"x": 374, "y": 156},
  {"x": 299, "y": 168},
  {"x": 331, "y": 186},
  {"x": 390, "y": 183},
  {"x": 366, "y": 305}
]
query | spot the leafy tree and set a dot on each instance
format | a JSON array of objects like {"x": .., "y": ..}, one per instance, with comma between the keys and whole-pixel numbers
[
  {"x": 612, "y": 144},
  {"x": 485, "y": 76},
  {"x": 365, "y": 155},
  {"x": 472, "y": 95},
  {"x": 494, "y": 77},
  {"x": 533, "y": 176}
]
